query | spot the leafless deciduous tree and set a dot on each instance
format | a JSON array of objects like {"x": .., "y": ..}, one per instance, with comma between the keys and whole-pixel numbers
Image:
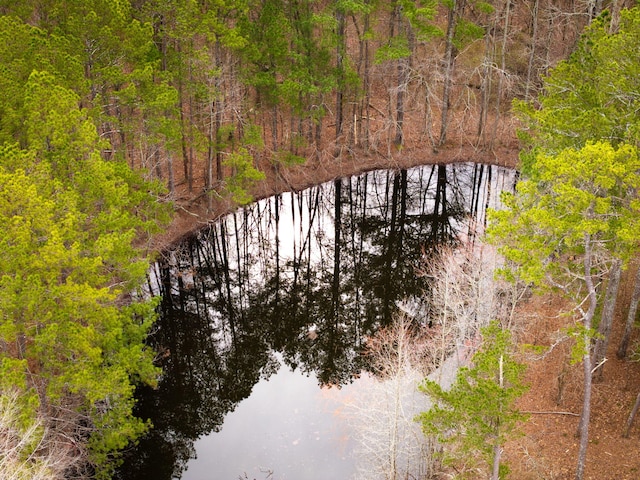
[
  {"x": 33, "y": 450},
  {"x": 391, "y": 444},
  {"x": 432, "y": 337},
  {"x": 465, "y": 296}
]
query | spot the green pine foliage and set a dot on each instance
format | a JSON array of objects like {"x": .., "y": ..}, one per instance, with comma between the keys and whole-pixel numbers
[
  {"x": 580, "y": 167},
  {"x": 577, "y": 192},
  {"x": 478, "y": 413},
  {"x": 575, "y": 214},
  {"x": 64, "y": 335},
  {"x": 72, "y": 334},
  {"x": 590, "y": 96},
  {"x": 243, "y": 177},
  {"x": 90, "y": 88},
  {"x": 288, "y": 56}
]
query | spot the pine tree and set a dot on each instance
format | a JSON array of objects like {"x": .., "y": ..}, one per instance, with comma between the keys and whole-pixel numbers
[
  {"x": 475, "y": 417},
  {"x": 566, "y": 227}
]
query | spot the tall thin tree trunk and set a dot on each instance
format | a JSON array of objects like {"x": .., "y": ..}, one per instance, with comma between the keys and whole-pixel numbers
[
  {"x": 449, "y": 61},
  {"x": 183, "y": 123},
  {"x": 532, "y": 52},
  {"x": 550, "y": 30},
  {"x": 631, "y": 318},
  {"x": 340, "y": 52},
  {"x": 485, "y": 87},
  {"x": 497, "y": 448},
  {"x": 170, "y": 182},
  {"x": 157, "y": 163},
  {"x": 218, "y": 105},
  {"x": 606, "y": 320},
  {"x": 367, "y": 87},
  {"x": 211, "y": 152},
  {"x": 404, "y": 65},
  {"x": 583, "y": 428},
  {"x": 501, "y": 73}
]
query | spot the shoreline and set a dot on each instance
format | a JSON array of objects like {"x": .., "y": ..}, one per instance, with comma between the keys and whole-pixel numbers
[{"x": 192, "y": 210}]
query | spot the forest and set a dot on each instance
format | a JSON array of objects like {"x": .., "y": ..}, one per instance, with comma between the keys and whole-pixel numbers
[{"x": 117, "y": 116}]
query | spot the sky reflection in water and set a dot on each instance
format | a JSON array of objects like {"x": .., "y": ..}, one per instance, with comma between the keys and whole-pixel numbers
[
  {"x": 288, "y": 429},
  {"x": 294, "y": 282}
]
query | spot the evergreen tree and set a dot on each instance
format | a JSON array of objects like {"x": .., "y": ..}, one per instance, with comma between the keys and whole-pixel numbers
[
  {"x": 477, "y": 414},
  {"x": 72, "y": 335},
  {"x": 590, "y": 96},
  {"x": 566, "y": 227}
]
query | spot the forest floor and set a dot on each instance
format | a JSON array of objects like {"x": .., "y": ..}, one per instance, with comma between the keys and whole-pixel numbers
[{"x": 548, "y": 449}]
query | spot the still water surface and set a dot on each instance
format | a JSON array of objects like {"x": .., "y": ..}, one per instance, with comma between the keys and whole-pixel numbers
[
  {"x": 265, "y": 309},
  {"x": 288, "y": 428}
]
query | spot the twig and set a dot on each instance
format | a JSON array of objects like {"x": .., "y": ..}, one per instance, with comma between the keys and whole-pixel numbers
[
  {"x": 187, "y": 211},
  {"x": 552, "y": 413},
  {"x": 598, "y": 365}
]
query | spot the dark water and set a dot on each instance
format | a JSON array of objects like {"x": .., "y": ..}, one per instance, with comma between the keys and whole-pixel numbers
[{"x": 263, "y": 308}]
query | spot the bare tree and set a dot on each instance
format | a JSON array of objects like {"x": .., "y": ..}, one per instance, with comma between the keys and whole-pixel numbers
[
  {"x": 432, "y": 338},
  {"x": 33, "y": 449},
  {"x": 391, "y": 444},
  {"x": 465, "y": 296}
]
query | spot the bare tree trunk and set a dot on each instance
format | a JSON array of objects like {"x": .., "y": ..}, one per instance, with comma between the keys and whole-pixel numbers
[
  {"x": 606, "y": 320},
  {"x": 183, "y": 122},
  {"x": 171, "y": 182},
  {"x": 632, "y": 416},
  {"x": 404, "y": 65},
  {"x": 631, "y": 318},
  {"x": 367, "y": 88},
  {"x": 157, "y": 164},
  {"x": 449, "y": 60},
  {"x": 359, "y": 107},
  {"x": 532, "y": 53},
  {"x": 485, "y": 87},
  {"x": 210, "y": 154},
  {"x": 397, "y": 399},
  {"x": 218, "y": 110},
  {"x": 340, "y": 52},
  {"x": 501, "y": 73},
  {"x": 402, "y": 85},
  {"x": 550, "y": 29},
  {"x": 497, "y": 448},
  {"x": 583, "y": 429}
]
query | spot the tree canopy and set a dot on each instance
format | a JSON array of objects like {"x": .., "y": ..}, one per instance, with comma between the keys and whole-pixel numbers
[
  {"x": 477, "y": 414},
  {"x": 71, "y": 332},
  {"x": 103, "y": 100},
  {"x": 592, "y": 95},
  {"x": 573, "y": 219}
]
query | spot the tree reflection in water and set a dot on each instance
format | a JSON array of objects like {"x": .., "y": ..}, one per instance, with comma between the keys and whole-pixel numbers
[{"x": 305, "y": 275}]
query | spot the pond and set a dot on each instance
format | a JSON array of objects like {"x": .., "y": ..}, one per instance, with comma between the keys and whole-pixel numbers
[{"x": 265, "y": 313}]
